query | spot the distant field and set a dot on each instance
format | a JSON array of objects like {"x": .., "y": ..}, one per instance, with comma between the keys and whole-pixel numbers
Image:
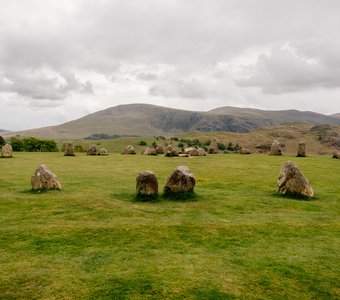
[{"x": 237, "y": 239}]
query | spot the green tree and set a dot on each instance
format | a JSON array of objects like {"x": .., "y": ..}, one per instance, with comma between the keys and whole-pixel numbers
[
  {"x": 2, "y": 141},
  {"x": 16, "y": 144}
]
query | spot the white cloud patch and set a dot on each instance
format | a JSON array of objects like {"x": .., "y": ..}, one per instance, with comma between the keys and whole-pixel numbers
[{"x": 289, "y": 69}]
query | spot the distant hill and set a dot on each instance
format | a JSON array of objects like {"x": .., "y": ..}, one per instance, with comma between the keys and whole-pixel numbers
[
  {"x": 336, "y": 116},
  {"x": 152, "y": 120},
  {"x": 272, "y": 117},
  {"x": 3, "y": 130}
]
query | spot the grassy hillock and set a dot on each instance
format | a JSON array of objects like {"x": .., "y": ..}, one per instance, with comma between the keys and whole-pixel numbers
[{"x": 236, "y": 239}]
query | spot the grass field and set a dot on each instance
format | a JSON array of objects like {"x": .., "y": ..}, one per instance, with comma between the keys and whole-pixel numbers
[{"x": 236, "y": 239}]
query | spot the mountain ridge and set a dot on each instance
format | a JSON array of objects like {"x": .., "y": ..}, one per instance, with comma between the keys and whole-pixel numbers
[{"x": 151, "y": 120}]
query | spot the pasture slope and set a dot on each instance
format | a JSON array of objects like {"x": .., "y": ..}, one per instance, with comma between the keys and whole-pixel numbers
[{"x": 236, "y": 239}]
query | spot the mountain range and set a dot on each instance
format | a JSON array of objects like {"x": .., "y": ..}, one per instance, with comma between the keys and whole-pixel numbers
[{"x": 152, "y": 120}]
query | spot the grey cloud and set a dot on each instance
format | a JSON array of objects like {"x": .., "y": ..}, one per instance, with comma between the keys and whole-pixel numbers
[
  {"x": 179, "y": 88},
  {"x": 292, "y": 69},
  {"x": 41, "y": 85},
  {"x": 147, "y": 76}
]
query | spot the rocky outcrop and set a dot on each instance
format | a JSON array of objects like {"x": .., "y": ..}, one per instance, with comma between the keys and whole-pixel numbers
[
  {"x": 201, "y": 152},
  {"x": 7, "y": 151},
  {"x": 92, "y": 150},
  {"x": 180, "y": 180},
  {"x": 292, "y": 182},
  {"x": 146, "y": 184},
  {"x": 44, "y": 179},
  {"x": 192, "y": 151}
]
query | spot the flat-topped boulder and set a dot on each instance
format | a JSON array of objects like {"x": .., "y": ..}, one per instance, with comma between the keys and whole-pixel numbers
[
  {"x": 7, "y": 151},
  {"x": 292, "y": 181},
  {"x": 44, "y": 179},
  {"x": 180, "y": 180},
  {"x": 146, "y": 184},
  {"x": 92, "y": 150}
]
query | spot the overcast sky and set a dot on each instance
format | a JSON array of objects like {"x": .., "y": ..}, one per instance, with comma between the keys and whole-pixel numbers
[{"x": 63, "y": 59}]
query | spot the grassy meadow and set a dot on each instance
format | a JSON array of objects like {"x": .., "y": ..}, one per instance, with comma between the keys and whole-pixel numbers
[{"x": 236, "y": 239}]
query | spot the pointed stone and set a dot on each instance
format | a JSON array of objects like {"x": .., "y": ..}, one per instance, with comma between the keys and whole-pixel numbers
[
  {"x": 292, "y": 181},
  {"x": 44, "y": 179},
  {"x": 7, "y": 151}
]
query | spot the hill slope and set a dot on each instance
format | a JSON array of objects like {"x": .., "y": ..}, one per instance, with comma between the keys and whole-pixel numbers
[{"x": 151, "y": 120}]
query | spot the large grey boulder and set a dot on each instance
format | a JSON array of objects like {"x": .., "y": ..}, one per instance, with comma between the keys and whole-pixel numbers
[
  {"x": 69, "y": 150},
  {"x": 275, "y": 148},
  {"x": 301, "y": 150},
  {"x": 7, "y": 151},
  {"x": 292, "y": 181},
  {"x": 146, "y": 184},
  {"x": 213, "y": 147},
  {"x": 44, "y": 179},
  {"x": 92, "y": 150},
  {"x": 180, "y": 180}
]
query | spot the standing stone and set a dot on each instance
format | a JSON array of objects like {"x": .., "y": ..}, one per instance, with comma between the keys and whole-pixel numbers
[
  {"x": 336, "y": 154},
  {"x": 129, "y": 150},
  {"x": 6, "y": 151},
  {"x": 92, "y": 150},
  {"x": 301, "y": 150},
  {"x": 159, "y": 149},
  {"x": 275, "y": 148},
  {"x": 180, "y": 180},
  {"x": 170, "y": 151},
  {"x": 292, "y": 182},
  {"x": 200, "y": 151},
  {"x": 103, "y": 152},
  {"x": 69, "y": 150},
  {"x": 213, "y": 147},
  {"x": 44, "y": 179},
  {"x": 146, "y": 184}
]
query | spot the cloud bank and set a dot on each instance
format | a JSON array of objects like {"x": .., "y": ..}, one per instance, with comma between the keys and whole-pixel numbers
[{"x": 195, "y": 54}]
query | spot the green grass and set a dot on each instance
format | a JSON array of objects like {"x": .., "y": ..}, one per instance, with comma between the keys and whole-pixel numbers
[{"x": 235, "y": 238}]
